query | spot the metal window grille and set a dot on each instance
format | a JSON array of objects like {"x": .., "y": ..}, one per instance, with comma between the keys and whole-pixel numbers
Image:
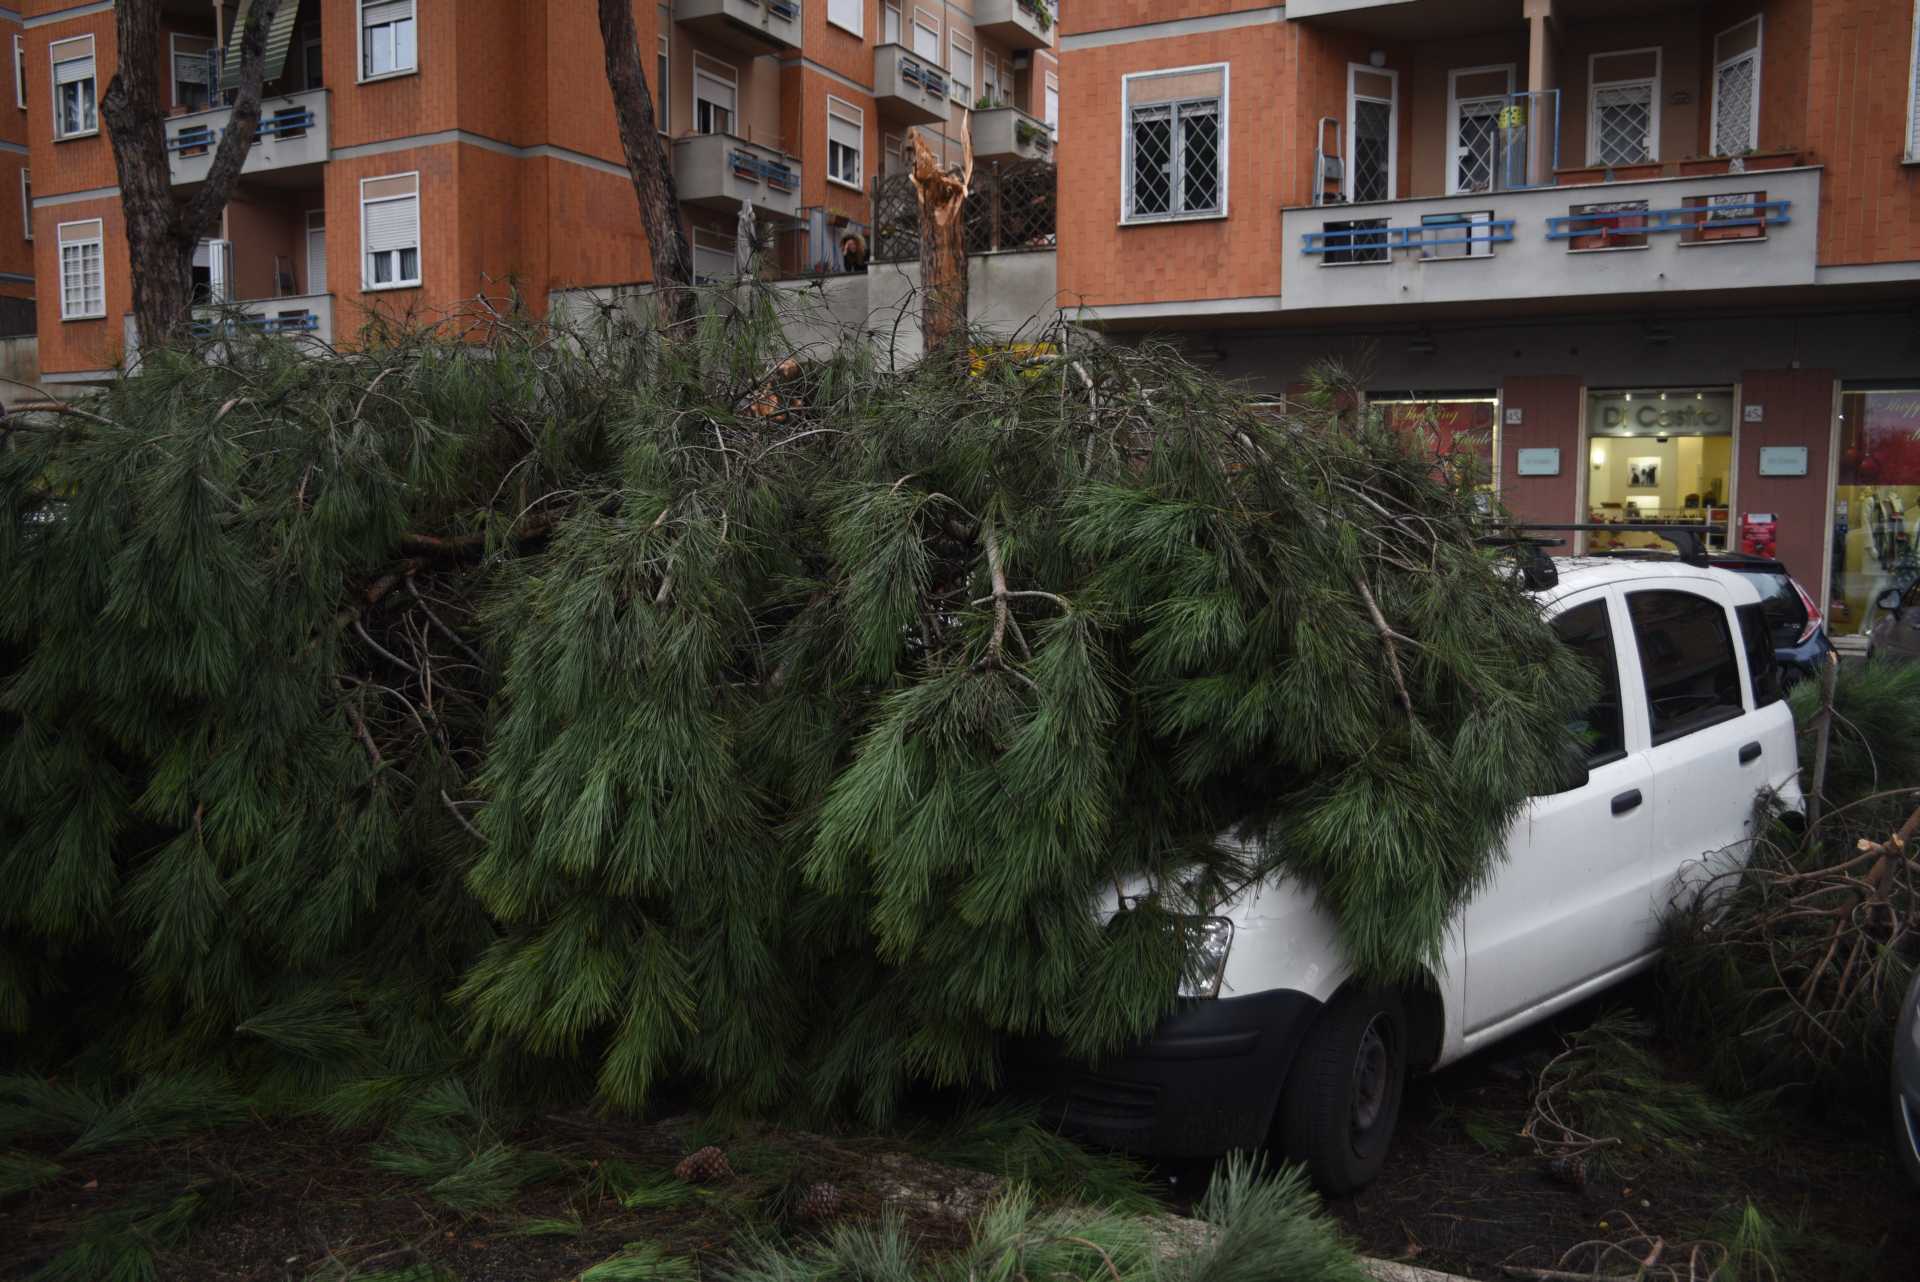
[
  {"x": 1733, "y": 87},
  {"x": 1453, "y": 235},
  {"x": 1478, "y": 129},
  {"x": 1357, "y": 240},
  {"x": 1623, "y": 123},
  {"x": 1372, "y": 149},
  {"x": 1174, "y": 159}
]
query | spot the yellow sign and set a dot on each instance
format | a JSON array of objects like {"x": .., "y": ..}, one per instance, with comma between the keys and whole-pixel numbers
[{"x": 1513, "y": 117}]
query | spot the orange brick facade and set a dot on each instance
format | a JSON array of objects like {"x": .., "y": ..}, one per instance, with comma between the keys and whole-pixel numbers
[
  {"x": 508, "y": 121},
  {"x": 1786, "y": 327}
]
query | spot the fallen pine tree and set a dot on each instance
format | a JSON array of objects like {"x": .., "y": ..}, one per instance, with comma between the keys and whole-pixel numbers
[{"x": 580, "y": 710}]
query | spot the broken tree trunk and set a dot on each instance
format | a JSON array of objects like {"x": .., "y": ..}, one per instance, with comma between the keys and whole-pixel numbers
[
  {"x": 647, "y": 162},
  {"x": 942, "y": 192}
]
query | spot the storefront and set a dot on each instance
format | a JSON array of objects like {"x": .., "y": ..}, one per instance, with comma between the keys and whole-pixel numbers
[
  {"x": 1876, "y": 501},
  {"x": 1660, "y": 456},
  {"x": 1460, "y": 428}
]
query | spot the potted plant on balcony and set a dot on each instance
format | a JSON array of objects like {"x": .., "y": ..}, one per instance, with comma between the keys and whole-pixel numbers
[
  {"x": 1042, "y": 13},
  {"x": 1028, "y": 134}
]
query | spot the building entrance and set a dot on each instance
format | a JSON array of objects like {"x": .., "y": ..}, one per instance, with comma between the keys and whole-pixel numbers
[{"x": 1659, "y": 456}]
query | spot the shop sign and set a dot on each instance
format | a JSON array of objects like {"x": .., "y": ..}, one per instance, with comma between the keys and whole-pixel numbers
[
  {"x": 1783, "y": 460},
  {"x": 1644, "y": 414},
  {"x": 1538, "y": 462}
]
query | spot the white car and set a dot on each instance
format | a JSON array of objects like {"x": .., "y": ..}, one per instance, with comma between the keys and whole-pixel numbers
[{"x": 1274, "y": 1039}]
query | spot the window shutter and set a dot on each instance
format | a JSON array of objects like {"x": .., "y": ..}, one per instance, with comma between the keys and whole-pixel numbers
[
  {"x": 845, "y": 132},
  {"x": 386, "y": 11},
  {"x": 393, "y": 224},
  {"x": 65, "y": 73},
  {"x": 279, "y": 39},
  {"x": 714, "y": 90}
]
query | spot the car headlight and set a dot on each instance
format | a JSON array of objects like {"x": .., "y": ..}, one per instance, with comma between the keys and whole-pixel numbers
[{"x": 1208, "y": 941}]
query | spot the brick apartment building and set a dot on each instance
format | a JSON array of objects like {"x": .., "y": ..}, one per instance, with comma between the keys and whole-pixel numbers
[
  {"x": 413, "y": 153},
  {"x": 1660, "y": 258},
  {"x": 16, "y": 223}
]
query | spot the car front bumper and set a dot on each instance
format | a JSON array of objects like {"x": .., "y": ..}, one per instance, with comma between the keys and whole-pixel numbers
[{"x": 1206, "y": 1081}]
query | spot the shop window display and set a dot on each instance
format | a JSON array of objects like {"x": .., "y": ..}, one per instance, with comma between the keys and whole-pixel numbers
[
  {"x": 1876, "y": 503},
  {"x": 1459, "y": 430}
]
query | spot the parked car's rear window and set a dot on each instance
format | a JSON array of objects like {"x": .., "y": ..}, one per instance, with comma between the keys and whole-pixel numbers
[
  {"x": 1762, "y": 670},
  {"x": 1598, "y": 728},
  {"x": 1785, "y": 612},
  {"x": 1687, "y": 661}
]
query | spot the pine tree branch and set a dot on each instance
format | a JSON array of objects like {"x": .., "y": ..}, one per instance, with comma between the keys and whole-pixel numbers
[{"x": 1387, "y": 635}]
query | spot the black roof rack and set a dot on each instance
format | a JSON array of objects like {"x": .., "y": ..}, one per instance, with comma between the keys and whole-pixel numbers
[
  {"x": 1691, "y": 540},
  {"x": 1537, "y": 569}
]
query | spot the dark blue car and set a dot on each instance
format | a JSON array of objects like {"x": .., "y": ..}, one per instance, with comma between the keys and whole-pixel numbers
[{"x": 1800, "y": 643}]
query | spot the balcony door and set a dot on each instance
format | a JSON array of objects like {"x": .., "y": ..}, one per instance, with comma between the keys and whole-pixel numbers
[
  {"x": 316, "y": 251},
  {"x": 1373, "y": 102},
  {"x": 1476, "y": 96}
]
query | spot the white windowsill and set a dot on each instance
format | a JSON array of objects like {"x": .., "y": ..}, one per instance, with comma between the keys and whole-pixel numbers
[
  {"x": 68, "y": 320},
  {"x": 389, "y": 287},
  {"x": 1156, "y": 220},
  {"x": 87, "y": 133},
  {"x": 841, "y": 182},
  {"x": 389, "y": 75}
]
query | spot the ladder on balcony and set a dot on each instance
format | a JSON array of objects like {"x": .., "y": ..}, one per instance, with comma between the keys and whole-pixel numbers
[{"x": 1329, "y": 167}]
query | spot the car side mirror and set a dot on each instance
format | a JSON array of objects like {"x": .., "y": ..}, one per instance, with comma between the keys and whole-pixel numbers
[{"x": 1889, "y": 600}]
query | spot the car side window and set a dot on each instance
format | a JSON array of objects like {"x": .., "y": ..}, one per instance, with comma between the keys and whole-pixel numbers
[
  {"x": 1687, "y": 660},
  {"x": 1597, "y": 728},
  {"x": 1762, "y": 668}
]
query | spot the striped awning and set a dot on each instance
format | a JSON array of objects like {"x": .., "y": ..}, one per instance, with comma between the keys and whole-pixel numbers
[{"x": 279, "y": 40}]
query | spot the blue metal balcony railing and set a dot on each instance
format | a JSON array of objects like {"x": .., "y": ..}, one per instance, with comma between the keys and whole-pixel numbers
[
  {"x": 303, "y": 322},
  {"x": 771, "y": 172},
  {"x": 282, "y": 124},
  {"x": 1383, "y": 240},
  {"x": 781, "y": 9},
  {"x": 1689, "y": 218},
  {"x": 925, "y": 77}
]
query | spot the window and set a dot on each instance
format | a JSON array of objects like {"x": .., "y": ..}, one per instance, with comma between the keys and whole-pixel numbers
[
  {"x": 1053, "y": 103},
  {"x": 1763, "y": 670},
  {"x": 1176, "y": 145},
  {"x": 389, "y": 43},
  {"x": 846, "y": 13},
  {"x": 1686, "y": 659},
  {"x": 926, "y": 36},
  {"x": 1623, "y": 107},
  {"x": 190, "y": 76},
  {"x": 73, "y": 88},
  {"x": 1599, "y": 728},
  {"x": 1373, "y": 113},
  {"x": 26, "y": 203},
  {"x": 1479, "y": 97},
  {"x": 715, "y": 86},
  {"x": 83, "y": 281},
  {"x": 313, "y": 62},
  {"x": 662, "y": 78},
  {"x": 1355, "y": 240},
  {"x": 990, "y": 80},
  {"x": 1613, "y": 224},
  {"x": 1736, "y": 88},
  {"x": 960, "y": 63},
  {"x": 846, "y": 139},
  {"x": 712, "y": 257},
  {"x": 893, "y": 155},
  {"x": 390, "y": 231},
  {"x": 20, "y": 72},
  {"x": 889, "y": 24},
  {"x": 1913, "y": 89},
  {"x": 1453, "y": 235}
]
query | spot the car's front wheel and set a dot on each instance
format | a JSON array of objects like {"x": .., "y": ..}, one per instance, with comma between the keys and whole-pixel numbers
[{"x": 1342, "y": 1096}]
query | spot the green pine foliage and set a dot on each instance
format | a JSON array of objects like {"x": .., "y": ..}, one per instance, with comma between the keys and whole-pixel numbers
[{"x": 577, "y": 710}]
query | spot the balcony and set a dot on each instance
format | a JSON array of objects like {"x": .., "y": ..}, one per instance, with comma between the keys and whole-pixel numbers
[
  {"x": 1661, "y": 236},
  {"x": 1008, "y": 134},
  {"x": 1017, "y": 24},
  {"x": 718, "y": 171},
  {"x": 908, "y": 89},
  {"x": 755, "y": 26},
  {"x": 296, "y": 316},
  {"x": 293, "y": 132}
]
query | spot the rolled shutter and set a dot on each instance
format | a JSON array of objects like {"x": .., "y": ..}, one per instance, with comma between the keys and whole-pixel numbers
[
  {"x": 74, "y": 62},
  {"x": 393, "y": 224},
  {"x": 279, "y": 40},
  {"x": 845, "y": 132}
]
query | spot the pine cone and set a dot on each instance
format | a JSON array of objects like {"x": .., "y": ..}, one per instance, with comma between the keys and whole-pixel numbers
[
  {"x": 1569, "y": 1169},
  {"x": 704, "y": 1167},
  {"x": 822, "y": 1202}
]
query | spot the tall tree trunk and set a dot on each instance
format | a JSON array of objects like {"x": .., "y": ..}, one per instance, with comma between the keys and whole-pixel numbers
[
  {"x": 943, "y": 245},
  {"x": 647, "y": 162},
  {"x": 162, "y": 232}
]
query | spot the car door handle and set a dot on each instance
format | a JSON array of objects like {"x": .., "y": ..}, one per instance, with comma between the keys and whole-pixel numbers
[
  {"x": 1626, "y": 801},
  {"x": 1749, "y": 752}
]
